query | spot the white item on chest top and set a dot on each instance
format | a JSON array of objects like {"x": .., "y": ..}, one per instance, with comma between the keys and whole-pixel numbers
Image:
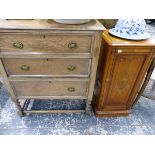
[{"x": 72, "y": 21}]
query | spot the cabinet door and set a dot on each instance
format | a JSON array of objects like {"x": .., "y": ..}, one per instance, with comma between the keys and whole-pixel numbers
[{"x": 127, "y": 73}]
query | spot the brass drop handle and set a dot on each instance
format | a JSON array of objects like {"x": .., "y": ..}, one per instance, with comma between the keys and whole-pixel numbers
[
  {"x": 72, "y": 45},
  {"x": 71, "y": 67},
  {"x": 71, "y": 89},
  {"x": 18, "y": 44},
  {"x": 25, "y": 68}
]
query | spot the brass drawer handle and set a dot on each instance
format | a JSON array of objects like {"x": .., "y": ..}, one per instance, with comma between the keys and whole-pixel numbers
[
  {"x": 25, "y": 68},
  {"x": 18, "y": 45},
  {"x": 71, "y": 67},
  {"x": 72, "y": 45},
  {"x": 71, "y": 89}
]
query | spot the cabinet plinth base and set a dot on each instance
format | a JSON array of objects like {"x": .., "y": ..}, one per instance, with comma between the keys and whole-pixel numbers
[{"x": 112, "y": 113}]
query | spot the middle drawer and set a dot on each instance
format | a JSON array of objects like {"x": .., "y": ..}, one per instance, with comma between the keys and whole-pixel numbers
[{"x": 52, "y": 67}]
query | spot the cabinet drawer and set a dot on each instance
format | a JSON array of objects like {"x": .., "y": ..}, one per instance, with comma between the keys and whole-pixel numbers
[
  {"x": 50, "y": 88},
  {"x": 60, "y": 43},
  {"x": 46, "y": 67},
  {"x": 132, "y": 50}
]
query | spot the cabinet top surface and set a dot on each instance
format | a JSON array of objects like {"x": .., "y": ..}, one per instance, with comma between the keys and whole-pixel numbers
[
  {"x": 115, "y": 41},
  {"x": 48, "y": 24}
]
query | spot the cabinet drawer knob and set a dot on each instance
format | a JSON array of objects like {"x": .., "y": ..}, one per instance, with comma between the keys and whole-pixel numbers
[
  {"x": 72, "y": 45},
  {"x": 25, "y": 68},
  {"x": 71, "y": 89},
  {"x": 71, "y": 67},
  {"x": 18, "y": 45},
  {"x": 107, "y": 80}
]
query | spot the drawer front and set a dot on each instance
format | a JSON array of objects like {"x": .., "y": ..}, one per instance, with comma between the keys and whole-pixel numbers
[
  {"x": 45, "y": 43},
  {"x": 50, "y": 88},
  {"x": 46, "y": 67},
  {"x": 132, "y": 50}
]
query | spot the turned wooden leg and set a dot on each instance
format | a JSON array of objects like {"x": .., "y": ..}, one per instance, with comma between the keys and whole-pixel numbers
[
  {"x": 88, "y": 109},
  {"x": 18, "y": 107},
  {"x": 19, "y": 111}
]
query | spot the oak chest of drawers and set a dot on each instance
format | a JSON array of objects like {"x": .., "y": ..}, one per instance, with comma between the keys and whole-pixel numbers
[{"x": 41, "y": 59}]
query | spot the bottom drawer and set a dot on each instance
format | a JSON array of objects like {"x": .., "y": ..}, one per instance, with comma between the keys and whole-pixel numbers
[{"x": 51, "y": 87}]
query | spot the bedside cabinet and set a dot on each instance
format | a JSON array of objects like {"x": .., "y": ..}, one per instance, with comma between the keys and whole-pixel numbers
[
  {"x": 41, "y": 59},
  {"x": 122, "y": 68}
]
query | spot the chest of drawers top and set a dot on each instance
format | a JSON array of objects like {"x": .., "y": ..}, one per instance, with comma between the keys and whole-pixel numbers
[{"x": 48, "y": 24}]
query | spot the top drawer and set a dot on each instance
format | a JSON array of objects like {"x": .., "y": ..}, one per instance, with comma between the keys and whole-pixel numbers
[
  {"x": 132, "y": 50},
  {"x": 60, "y": 43}
]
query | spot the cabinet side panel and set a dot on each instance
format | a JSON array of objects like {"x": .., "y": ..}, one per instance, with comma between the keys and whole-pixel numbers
[
  {"x": 95, "y": 57},
  {"x": 105, "y": 61},
  {"x": 6, "y": 82}
]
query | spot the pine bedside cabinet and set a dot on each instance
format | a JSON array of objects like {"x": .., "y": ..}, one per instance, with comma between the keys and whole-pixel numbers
[{"x": 41, "y": 59}]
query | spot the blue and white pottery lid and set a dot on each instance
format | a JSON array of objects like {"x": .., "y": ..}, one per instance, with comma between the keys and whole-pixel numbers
[{"x": 133, "y": 29}]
